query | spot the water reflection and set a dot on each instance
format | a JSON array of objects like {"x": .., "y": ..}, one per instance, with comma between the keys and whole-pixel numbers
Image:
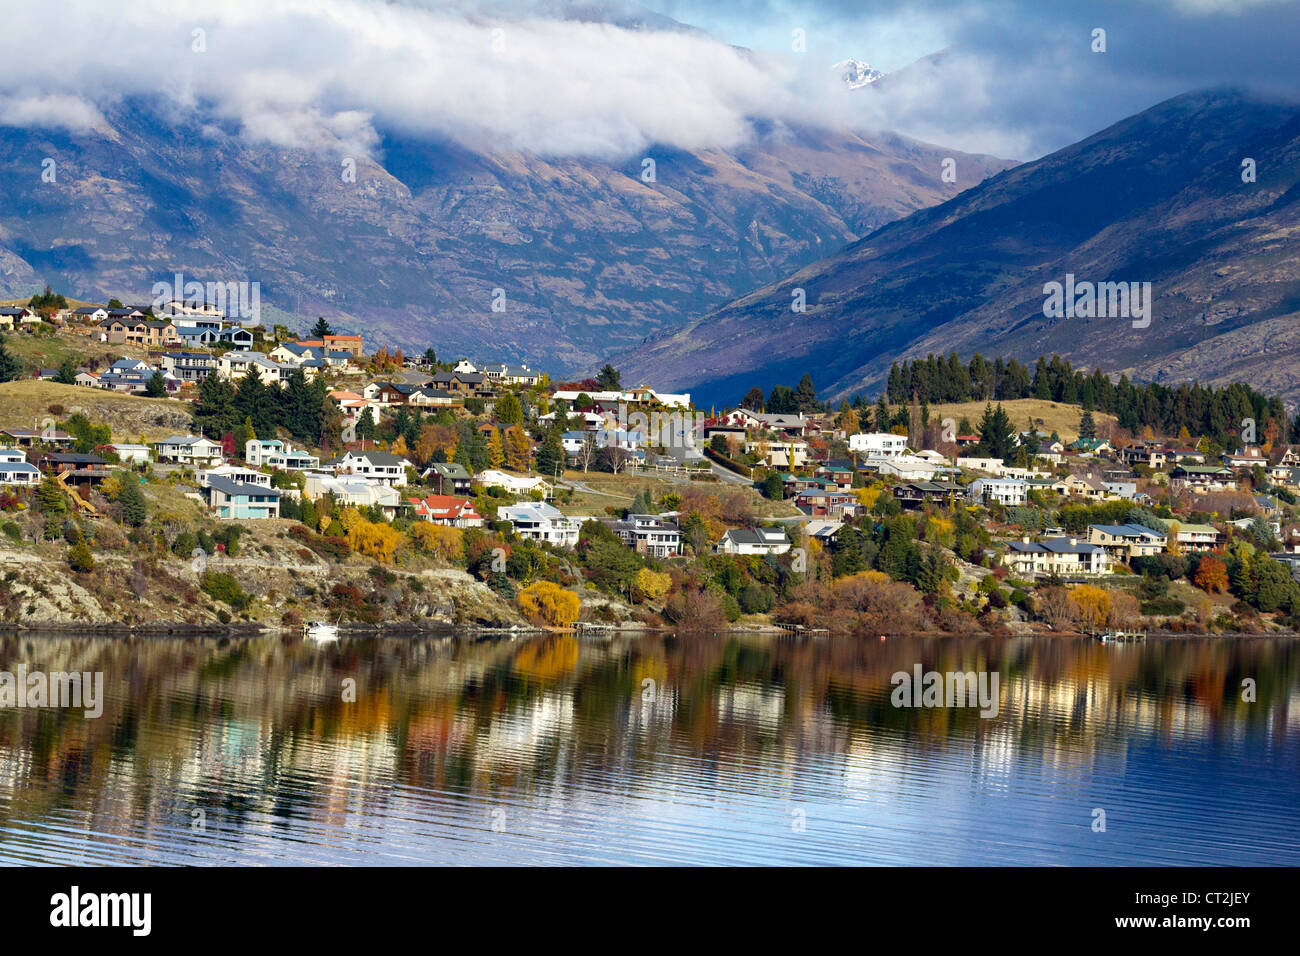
[{"x": 649, "y": 749}]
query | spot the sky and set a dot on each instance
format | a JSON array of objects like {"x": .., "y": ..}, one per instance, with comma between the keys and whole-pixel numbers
[{"x": 609, "y": 78}]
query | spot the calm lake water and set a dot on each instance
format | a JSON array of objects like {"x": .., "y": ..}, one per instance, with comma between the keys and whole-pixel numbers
[{"x": 651, "y": 750}]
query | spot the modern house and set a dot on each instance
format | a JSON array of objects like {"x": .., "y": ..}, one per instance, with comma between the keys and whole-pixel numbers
[
  {"x": 540, "y": 521},
  {"x": 14, "y": 469},
  {"x": 273, "y": 453},
  {"x": 245, "y": 476},
  {"x": 228, "y": 498},
  {"x": 878, "y": 444}
]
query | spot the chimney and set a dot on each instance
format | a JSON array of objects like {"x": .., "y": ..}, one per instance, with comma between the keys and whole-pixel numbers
[
  {"x": 1025, "y": 540},
  {"x": 1074, "y": 542}
]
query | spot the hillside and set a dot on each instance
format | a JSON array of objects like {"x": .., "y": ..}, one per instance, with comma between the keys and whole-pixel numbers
[
  {"x": 27, "y": 403},
  {"x": 591, "y": 257},
  {"x": 1157, "y": 198},
  {"x": 1047, "y": 416}
]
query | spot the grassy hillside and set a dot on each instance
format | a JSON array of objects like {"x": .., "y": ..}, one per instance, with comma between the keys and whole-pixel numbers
[
  {"x": 1048, "y": 416},
  {"x": 27, "y": 403}
]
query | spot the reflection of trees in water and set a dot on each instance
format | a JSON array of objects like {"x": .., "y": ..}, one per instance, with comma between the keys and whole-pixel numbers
[{"x": 261, "y": 726}]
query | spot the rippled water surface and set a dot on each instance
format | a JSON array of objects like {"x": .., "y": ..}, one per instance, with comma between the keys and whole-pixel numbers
[{"x": 650, "y": 750}]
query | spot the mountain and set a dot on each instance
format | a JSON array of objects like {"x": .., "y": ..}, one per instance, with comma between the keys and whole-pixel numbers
[
  {"x": 856, "y": 74},
  {"x": 592, "y": 257},
  {"x": 1157, "y": 198}
]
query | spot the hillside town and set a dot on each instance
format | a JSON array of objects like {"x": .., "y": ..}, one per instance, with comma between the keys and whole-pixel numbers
[{"x": 596, "y": 502}]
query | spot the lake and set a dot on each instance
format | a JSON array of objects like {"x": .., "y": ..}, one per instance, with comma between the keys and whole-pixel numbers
[{"x": 650, "y": 749}]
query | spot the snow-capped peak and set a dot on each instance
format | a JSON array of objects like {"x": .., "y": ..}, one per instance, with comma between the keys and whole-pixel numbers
[{"x": 856, "y": 73}]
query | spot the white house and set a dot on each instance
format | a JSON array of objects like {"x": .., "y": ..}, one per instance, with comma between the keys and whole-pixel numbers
[
  {"x": 273, "y": 453},
  {"x": 878, "y": 444},
  {"x": 131, "y": 454},
  {"x": 514, "y": 484},
  {"x": 1003, "y": 491},
  {"x": 379, "y": 466},
  {"x": 14, "y": 469},
  {"x": 190, "y": 450},
  {"x": 541, "y": 522},
  {"x": 235, "y": 473},
  {"x": 753, "y": 541},
  {"x": 1062, "y": 556}
]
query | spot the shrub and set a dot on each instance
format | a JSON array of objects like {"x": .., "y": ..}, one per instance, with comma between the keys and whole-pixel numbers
[
  {"x": 222, "y": 586},
  {"x": 550, "y": 604}
]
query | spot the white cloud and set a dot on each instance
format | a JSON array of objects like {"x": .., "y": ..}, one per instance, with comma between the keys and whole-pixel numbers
[{"x": 49, "y": 111}]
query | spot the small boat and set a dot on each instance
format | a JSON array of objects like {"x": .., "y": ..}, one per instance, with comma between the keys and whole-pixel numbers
[{"x": 320, "y": 631}]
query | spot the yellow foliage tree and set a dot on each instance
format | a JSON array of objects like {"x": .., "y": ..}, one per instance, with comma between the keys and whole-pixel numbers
[
  {"x": 867, "y": 496},
  {"x": 653, "y": 584},
  {"x": 496, "y": 453},
  {"x": 378, "y": 541},
  {"x": 1093, "y": 604},
  {"x": 437, "y": 540},
  {"x": 548, "y": 603}
]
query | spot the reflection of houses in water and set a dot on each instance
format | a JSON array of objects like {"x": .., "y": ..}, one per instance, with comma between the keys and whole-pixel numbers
[
  {"x": 653, "y": 712},
  {"x": 752, "y": 704},
  {"x": 515, "y": 738}
]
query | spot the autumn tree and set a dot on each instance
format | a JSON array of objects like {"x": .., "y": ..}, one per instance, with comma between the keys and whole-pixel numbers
[{"x": 1212, "y": 575}]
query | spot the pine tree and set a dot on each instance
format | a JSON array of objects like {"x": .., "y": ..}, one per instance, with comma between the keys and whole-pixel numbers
[
  {"x": 132, "y": 502},
  {"x": 321, "y": 328},
  {"x": 10, "y": 368},
  {"x": 1087, "y": 427}
]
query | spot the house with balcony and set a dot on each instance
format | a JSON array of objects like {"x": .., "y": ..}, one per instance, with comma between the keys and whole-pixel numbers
[
  {"x": 74, "y": 468},
  {"x": 378, "y": 466},
  {"x": 15, "y": 471},
  {"x": 245, "y": 476},
  {"x": 542, "y": 522},
  {"x": 189, "y": 366},
  {"x": 1202, "y": 479},
  {"x": 277, "y": 454},
  {"x": 1065, "y": 557},
  {"x": 1008, "y": 492},
  {"x": 194, "y": 451},
  {"x": 1197, "y": 537},
  {"x": 1126, "y": 541},
  {"x": 650, "y": 534}
]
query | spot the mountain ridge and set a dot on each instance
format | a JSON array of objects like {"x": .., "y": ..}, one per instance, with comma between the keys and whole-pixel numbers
[{"x": 1157, "y": 197}]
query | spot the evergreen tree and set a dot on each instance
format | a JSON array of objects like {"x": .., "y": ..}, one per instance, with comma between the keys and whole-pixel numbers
[
  {"x": 805, "y": 395},
  {"x": 321, "y": 328},
  {"x": 132, "y": 501},
  {"x": 753, "y": 400},
  {"x": 1087, "y": 427},
  {"x": 156, "y": 386},
  {"x": 67, "y": 372},
  {"x": 10, "y": 367},
  {"x": 997, "y": 435},
  {"x": 608, "y": 379}
]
